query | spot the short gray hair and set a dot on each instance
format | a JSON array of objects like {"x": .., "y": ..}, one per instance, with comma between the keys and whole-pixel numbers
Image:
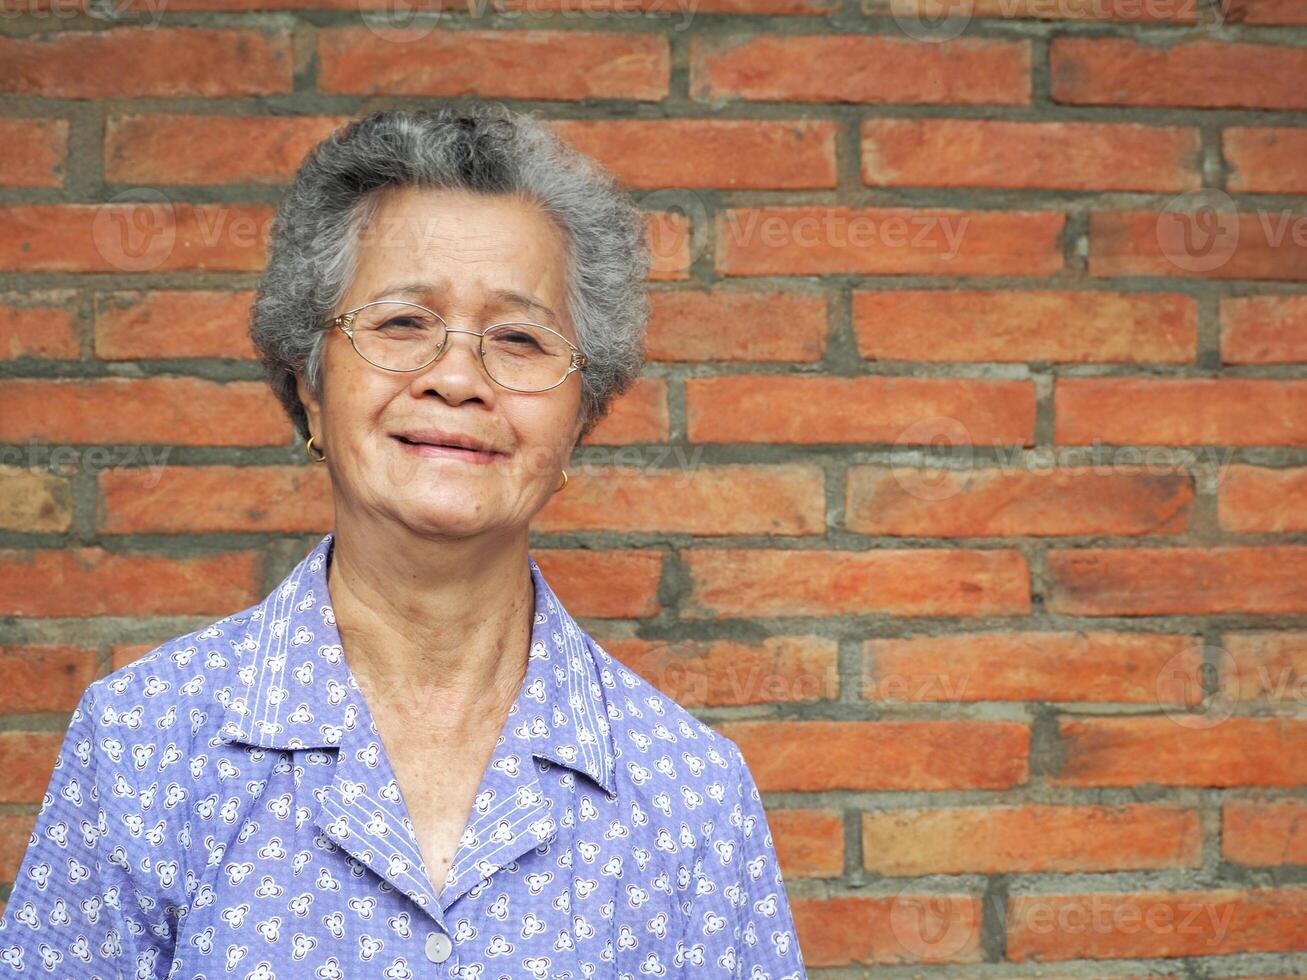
[{"x": 470, "y": 145}]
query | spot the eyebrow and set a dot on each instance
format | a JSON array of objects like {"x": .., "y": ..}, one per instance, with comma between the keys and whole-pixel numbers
[{"x": 422, "y": 289}]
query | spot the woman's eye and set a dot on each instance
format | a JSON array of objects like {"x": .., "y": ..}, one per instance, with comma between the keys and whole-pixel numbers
[
  {"x": 521, "y": 338},
  {"x": 403, "y": 323}
]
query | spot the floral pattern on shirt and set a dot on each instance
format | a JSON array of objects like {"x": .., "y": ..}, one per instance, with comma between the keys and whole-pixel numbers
[{"x": 224, "y": 807}]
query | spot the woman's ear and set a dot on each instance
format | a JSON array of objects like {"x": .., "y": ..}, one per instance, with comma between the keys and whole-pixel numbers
[
  {"x": 311, "y": 407},
  {"x": 576, "y": 429}
]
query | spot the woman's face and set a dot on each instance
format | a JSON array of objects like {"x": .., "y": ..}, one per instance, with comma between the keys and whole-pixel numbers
[{"x": 460, "y": 253}]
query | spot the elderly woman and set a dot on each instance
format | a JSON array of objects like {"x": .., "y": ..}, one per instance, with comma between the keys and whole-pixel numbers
[{"x": 409, "y": 760}]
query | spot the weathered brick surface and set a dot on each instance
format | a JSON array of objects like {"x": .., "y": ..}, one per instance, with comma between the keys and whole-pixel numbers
[{"x": 965, "y": 489}]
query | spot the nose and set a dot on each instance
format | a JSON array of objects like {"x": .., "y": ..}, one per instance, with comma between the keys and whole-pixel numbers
[
  {"x": 473, "y": 344},
  {"x": 454, "y": 377}
]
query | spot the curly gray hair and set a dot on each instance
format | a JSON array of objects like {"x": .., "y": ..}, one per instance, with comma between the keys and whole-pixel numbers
[{"x": 471, "y": 145}]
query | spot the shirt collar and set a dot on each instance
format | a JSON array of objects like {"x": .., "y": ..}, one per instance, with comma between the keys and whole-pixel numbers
[{"x": 292, "y": 689}]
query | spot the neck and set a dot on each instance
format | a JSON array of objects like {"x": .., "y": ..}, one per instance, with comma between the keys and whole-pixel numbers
[{"x": 435, "y": 631}]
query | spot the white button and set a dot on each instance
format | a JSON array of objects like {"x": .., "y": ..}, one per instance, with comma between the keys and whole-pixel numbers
[{"x": 439, "y": 947}]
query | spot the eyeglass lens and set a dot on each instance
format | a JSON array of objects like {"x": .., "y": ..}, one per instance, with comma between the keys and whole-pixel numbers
[{"x": 402, "y": 337}]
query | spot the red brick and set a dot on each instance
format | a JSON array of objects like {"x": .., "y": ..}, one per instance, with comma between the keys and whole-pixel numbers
[
  {"x": 907, "y": 928},
  {"x": 1263, "y": 329},
  {"x": 37, "y": 326},
  {"x": 178, "y": 411},
  {"x": 859, "y": 68},
  {"x": 1264, "y": 835},
  {"x": 989, "y": 502},
  {"x": 228, "y": 6},
  {"x": 96, "y": 582},
  {"x": 173, "y": 323},
  {"x": 1030, "y": 839},
  {"x": 733, "y": 325},
  {"x": 716, "y": 673},
  {"x": 26, "y": 762},
  {"x": 147, "y": 62},
  {"x": 525, "y": 64},
  {"x": 1004, "y": 326},
  {"x": 1264, "y": 11},
  {"x": 35, "y": 151},
  {"x": 211, "y": 499},
  {"x": 1183, "y": 750},
  {"x": 34, "y": 501},
  {"x": 1252, "y": 499},
  {"x": 15, "y": 833},
  {"x": 1265, "y": 159},
  {"x": 43, "y": 678},
  {"x": 809, "y": 843},
  {"x": 668, "y": 236},
  {"x": 1205, "y": 74},
  {"x": 897, "y": 581},
  {"x": 640, "y": 415},
  {"x": 121, "y": 656},
  {"x": 1266, "y": 666},
  {"x": 1155, "y": 924},
  {"x": 1177, "y": 581},
  {"x": 733, "y": 154},
  {"x": 1051, "y": 155},
  {"x": 820, "y": 756},
  {"x": 681, "y": 12},
  {"x": 1131, "y": 668},
  {"x": 689, "y": 499},
  {"x": 1267, "y": 244},
  {"x": 604, "y": 584},
  {"x": 818, "y": 240},
  {"x": 1180, "y": 411},
  {"x": 1133, "y": 11},
  {"x": 150, "y": 236},
  {"x": 589, "y": 7},
  {"x": 827, "y": 410},
  {"x": 198, "y": 150}
]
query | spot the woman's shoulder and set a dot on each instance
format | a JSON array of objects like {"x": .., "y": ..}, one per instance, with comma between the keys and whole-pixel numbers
[
  {"x": 642, "y": 712},
  {"x": 182, "y": 675}
]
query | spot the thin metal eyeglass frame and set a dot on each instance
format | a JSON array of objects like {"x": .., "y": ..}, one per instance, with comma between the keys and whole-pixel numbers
[{"x": 577, "y": 362}]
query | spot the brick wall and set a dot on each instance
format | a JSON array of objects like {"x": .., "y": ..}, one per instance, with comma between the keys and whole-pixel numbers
[{"x": 966, "y": 487}]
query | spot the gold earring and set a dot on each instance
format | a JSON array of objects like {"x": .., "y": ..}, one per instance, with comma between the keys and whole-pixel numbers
[
  {"x": 563, "y": 484},
  {"x": 308, "y": 449}
]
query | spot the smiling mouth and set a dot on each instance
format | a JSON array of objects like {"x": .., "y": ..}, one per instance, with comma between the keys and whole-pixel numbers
[{"x": 448, "y": 448}]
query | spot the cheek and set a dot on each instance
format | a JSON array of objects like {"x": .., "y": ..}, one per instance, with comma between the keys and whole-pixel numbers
[
  {"x": 545, "y": 428},
  {"x": 355, "y": 399}
]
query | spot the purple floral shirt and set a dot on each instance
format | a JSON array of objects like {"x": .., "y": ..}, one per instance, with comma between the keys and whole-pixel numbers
[{"x": 224, "y": 808}]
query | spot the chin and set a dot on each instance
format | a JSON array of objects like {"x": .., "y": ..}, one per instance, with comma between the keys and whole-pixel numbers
[
  {"x": 431, "y": 488},
  {"x": 446, "y": 520}
]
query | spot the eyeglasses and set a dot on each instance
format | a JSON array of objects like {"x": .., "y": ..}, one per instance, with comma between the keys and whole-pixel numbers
[{"x": 520, "y": 356}]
